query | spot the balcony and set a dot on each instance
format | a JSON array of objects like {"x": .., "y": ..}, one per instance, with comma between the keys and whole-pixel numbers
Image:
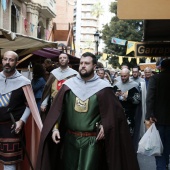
[{"x": 48, "y": 7}]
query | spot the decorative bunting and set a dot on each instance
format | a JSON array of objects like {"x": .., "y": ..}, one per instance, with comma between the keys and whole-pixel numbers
[
  {"x": 46, "y": 34},
  {"x": 118, "y": 41},
  {"x": 25, "y": 24},
  {"x": 4, "y": 4},
  {"x": 32, "y": 27},
  {"x": 130, "y": 47},
  {"x": 17, "y": 11},
  {"x": 25, "y": 21}
]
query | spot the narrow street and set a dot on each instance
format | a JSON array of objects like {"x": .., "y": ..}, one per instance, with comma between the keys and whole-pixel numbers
[{"x": 146, "y": 162}]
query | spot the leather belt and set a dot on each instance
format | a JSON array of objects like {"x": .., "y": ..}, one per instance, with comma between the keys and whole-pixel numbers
[{"x": 82, "y": 134}]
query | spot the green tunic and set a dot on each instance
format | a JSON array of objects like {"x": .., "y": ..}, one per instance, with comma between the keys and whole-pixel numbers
[
  {"x": 81, "y": 153},
  {"x": 86, "y": 116}
]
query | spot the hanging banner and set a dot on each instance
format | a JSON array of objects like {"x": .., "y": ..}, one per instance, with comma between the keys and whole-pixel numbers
[
  {"x": 4, "y": 4},
  {"x": 118, "y": 41},
  {"x": 152, "y": 49},
  {"x": 130, "y": 47}
]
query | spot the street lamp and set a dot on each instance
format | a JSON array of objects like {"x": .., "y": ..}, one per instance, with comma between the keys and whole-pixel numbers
[{"x": 97, "y": 38}]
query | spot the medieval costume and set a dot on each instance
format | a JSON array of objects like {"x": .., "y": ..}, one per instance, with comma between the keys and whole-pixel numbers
[
  {"x": 15, "y": 92},
  {"x": 78, "y": 107},
  {"x": 57, "y": 77},
  {"x": 129, "y": 104},
  {"x": 137, "y": 80},
  {"x": 140, "y": 112}
]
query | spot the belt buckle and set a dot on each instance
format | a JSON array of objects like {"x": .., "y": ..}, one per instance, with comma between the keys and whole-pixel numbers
[{"x": 81, "y": 134}]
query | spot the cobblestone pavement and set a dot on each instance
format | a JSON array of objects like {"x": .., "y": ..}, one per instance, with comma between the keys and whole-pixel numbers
[{"x": 146, "y": 162}]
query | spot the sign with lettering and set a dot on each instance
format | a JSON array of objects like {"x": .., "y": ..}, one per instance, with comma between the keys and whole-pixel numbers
[{"x": 152, "y": 49}]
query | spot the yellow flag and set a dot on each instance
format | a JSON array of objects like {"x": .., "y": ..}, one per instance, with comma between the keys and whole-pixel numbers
[
  {"x": 130, "y": 46},
  {"x": 104, "y": 56}
]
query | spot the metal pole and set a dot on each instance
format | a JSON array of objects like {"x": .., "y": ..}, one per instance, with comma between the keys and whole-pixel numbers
[{"x": 97, "y": 45}]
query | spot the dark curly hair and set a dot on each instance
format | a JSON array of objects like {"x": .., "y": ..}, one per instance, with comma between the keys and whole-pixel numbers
[
  {"x": 88, "y": 54},
  {"x": 38, "y": 71}
]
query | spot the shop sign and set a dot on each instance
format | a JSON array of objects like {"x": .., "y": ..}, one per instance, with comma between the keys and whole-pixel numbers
[{"x": 152, "y": 49}]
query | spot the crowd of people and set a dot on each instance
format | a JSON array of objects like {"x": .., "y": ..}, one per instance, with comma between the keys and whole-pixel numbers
[{"x": 90, "y": 119}]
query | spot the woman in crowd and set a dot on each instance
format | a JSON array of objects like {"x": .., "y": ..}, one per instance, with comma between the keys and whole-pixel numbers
[{"x": 38, "y": 82}]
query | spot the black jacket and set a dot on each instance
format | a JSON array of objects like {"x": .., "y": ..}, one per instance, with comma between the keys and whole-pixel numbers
[{"x": 158, "y": 98}]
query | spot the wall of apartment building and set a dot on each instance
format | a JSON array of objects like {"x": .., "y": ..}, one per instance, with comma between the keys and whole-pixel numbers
[
  {"x": 6, "y": 18},
  {"x": 30, "y": 16},
  {"x": 64, "y": 14},
  {"x": 86, "y": 25},
  {"x": 1, "y": 18}
]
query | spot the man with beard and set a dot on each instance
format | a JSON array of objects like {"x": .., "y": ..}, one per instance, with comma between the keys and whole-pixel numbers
[
  {"x": 55, "y": 81},
  {"x": 92, "y": 125},
  {"x": 16, "y": 101},
  {"x": 118, "y": 78},
  {"x": 128, "y": 94},
  {"x": 135, "y": 75}
]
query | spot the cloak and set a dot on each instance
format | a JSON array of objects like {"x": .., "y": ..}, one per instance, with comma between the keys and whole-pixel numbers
[
  {"x": 118, "y": 143},
  {"x": 140, "y": 128},
  {"x": 126, "y": 86},
  {"x": 33, "y": 125},
  {"x": 57, "y": 74},
  {"x": 47, "y": 87},
  {"x": 33, "y": 129}
]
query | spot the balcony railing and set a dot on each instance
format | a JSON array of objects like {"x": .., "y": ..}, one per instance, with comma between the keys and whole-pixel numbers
[{"x": 48, "y": 7}]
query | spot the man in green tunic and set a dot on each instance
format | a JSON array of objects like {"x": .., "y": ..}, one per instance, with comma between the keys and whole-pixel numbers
[
  {"x": 82, "y": 119},
  {"x": 89, "y": 119}
]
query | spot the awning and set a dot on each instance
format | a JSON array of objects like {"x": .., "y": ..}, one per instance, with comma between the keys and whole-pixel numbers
[
  {"x": 16, "y": 41},
  {"x": 47, "y": 52},
  {"x": 39, "y": 56},
  {"x": 53, "y": 53}
]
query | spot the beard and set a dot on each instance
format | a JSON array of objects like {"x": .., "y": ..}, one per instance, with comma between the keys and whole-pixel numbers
[
  {"x": 86, "y": 74},
  {"x": 125, "y": 80},
  {"x": 64, "y": 64},
  {"x": 135, "y": 76},
  {"x": 8, "y": 70}
]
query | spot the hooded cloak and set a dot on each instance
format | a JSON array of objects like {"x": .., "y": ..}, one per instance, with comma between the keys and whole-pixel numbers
[{"x": 118, "y": 143}]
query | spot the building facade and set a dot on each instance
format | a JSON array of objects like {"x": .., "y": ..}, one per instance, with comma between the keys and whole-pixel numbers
[
  {"x": 63, "y": 25},
  {"x": 29, "y": 17},
  {"x": 86, "y": 23}
]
